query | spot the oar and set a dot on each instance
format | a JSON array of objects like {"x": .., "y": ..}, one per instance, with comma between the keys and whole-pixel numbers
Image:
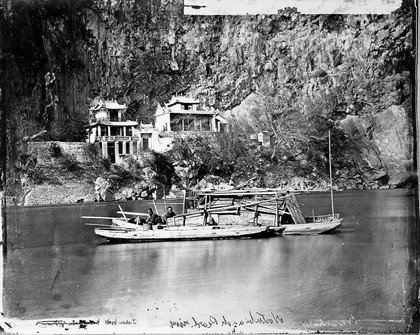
[
  {"x": 154, "y": 203},
  {"x": 99, "y": 217},
  {"x": 97, "y": 224},
  {"x": 134, "y": 213},
  {"x": 122, "y": 212},
  {"x": 117, "y": 228}
]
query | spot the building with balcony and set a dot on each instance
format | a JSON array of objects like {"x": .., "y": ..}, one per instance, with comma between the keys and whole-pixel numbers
[
  {"x": 117, "y": 137},
  {"x": 183, "y": 114}
]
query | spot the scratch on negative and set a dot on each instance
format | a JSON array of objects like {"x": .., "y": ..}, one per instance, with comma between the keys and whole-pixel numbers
[{"x": 55, "y": 278}]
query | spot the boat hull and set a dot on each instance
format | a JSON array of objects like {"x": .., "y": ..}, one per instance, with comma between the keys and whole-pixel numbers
[
  {"x": 313, "y": 228},
  {"x": 185, "y": 233}
]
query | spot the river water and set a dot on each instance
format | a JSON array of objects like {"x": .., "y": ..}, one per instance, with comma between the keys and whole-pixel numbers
[{"x": 362, "y": 278}]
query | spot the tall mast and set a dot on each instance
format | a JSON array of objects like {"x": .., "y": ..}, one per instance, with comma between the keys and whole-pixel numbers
[{"x": 331, "y": 184}]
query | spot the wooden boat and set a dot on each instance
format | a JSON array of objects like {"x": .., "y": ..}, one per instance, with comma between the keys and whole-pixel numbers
[
  {"x": 262, "y": 209},
  {"x": 312, "y": 228},
  {"x": 274, "y": 203},
  {"x": 320, "y": 224},
  {"x": 259, "y": 206},
  {"x": 185, "y": 233},
  {"x": 122, "y": 229}
]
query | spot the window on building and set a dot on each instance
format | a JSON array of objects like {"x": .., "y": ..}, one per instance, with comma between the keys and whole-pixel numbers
[
  {"x": 113, "y": 115},
  {"x": 129, "y": 131},
  {"x": 111, "y": 152},
  {"x": 205, "y": 124},
  {"x": 127, "y": 147},
  {"x": 176, "y": 124},
  {"x": 145, "y": 143},
  {"x": 114, "y": 131},
  {"x": 188, "y": 124}
]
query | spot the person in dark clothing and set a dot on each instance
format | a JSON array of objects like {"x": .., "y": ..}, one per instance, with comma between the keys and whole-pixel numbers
[
  {"x": 152, "y": 219},
  {"x": 211, "y": 221},
  {"x": 169, "y": 214}
]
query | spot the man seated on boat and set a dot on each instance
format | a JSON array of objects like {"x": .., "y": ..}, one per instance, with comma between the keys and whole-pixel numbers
[
  {"x": 211, "y": 221},
  {"x": 152, "y": 219},
  {"x": 169, "y": 214},
  {"x": 191, "y": 207}
]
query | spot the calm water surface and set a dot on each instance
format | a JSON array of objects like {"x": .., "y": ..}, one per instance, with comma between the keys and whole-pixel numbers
[{"x": 361, "y": 278}]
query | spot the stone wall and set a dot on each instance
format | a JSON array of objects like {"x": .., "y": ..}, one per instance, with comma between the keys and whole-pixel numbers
[
  {"x": 81, "y": 151},
  {"x": 60, "y": 194}
]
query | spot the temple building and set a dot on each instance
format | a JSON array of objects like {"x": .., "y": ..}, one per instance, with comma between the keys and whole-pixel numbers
[
  {"x": 117, "y": 137},
  {"x": 183, "y": 114}
]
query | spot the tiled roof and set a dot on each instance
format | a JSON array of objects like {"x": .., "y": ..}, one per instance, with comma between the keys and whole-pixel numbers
[
  {"x": 108, "y": 104},
  {"x": 114, "y": 105},
  {"x": 183, "y": 100},
  {"x": 222, "y": 119},
  {"x": 115, "y": 123}
]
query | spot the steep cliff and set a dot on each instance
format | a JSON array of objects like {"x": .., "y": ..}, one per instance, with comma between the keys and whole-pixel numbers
[{"x": 354, "y": 71}]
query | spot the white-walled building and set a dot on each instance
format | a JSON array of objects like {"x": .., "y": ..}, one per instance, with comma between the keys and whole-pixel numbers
[
  {"x": 115, "y": 134},
  {"x": 119, "y": 137},
  {"x": 183, "y": 114},
  {"x": 151, "y": 140}
]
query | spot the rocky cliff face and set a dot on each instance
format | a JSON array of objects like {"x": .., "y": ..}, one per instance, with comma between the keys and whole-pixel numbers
[{"x": 356, "y": 70}]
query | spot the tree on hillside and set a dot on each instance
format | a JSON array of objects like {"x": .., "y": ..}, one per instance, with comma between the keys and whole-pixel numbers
[
  {"x": 299, "y": 128},
  {"x": 274, "y": 111},
  {"x": 220, "y": 155}
]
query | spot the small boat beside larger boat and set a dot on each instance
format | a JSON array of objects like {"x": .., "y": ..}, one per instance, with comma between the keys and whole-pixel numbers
[
  {"x": 255, "y": 213},
  {"x": 187, "y": 226},
  {"x": 312, "y": 228}
]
